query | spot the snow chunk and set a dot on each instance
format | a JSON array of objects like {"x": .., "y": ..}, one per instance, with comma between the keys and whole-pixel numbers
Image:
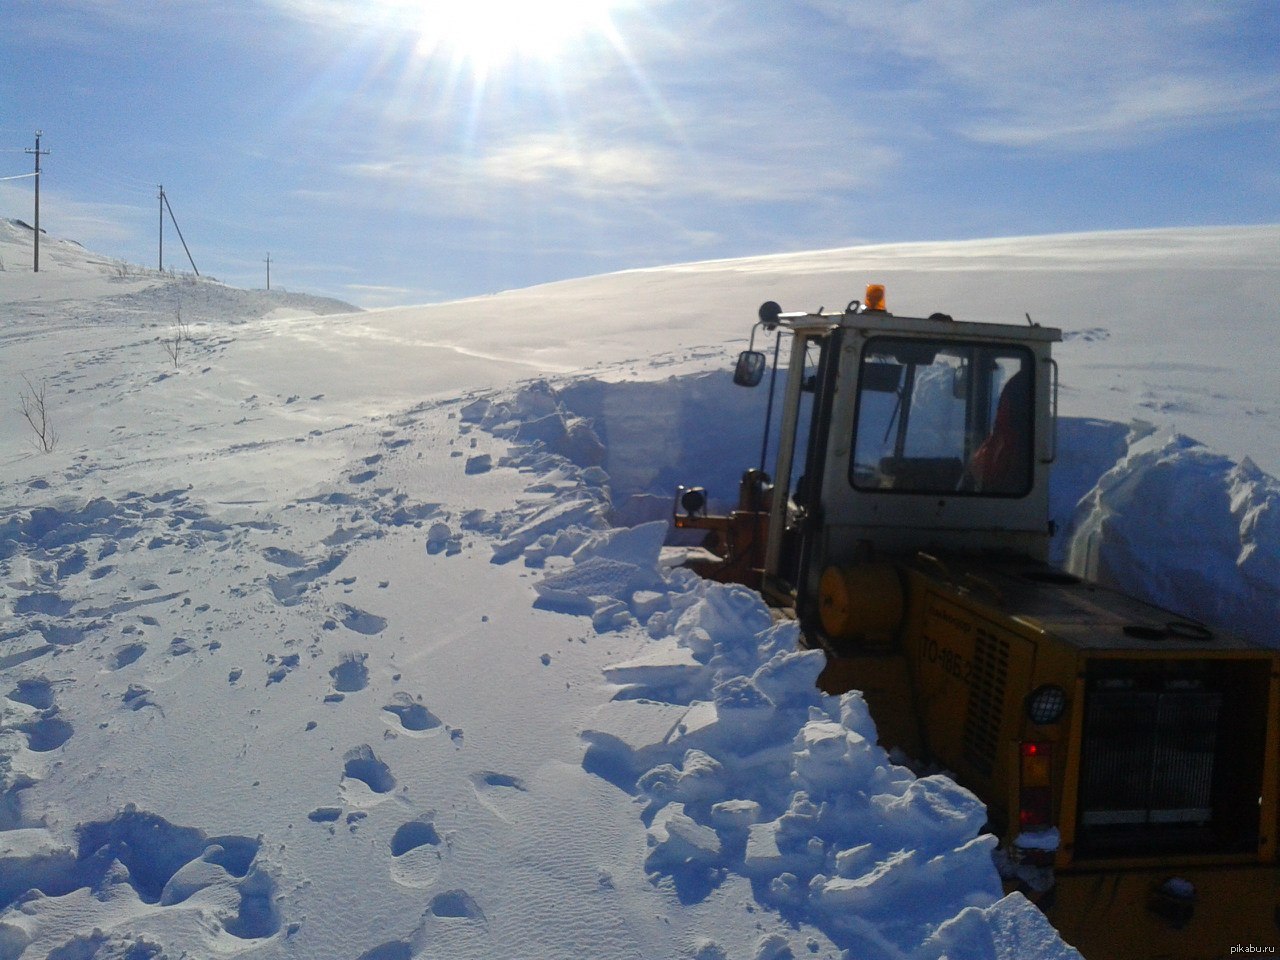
[
  {"x": 774, "y": 848},
  {"x": 730, "y": 615},
  {"x": 635, "y": 545},
  {"x": 663, "y": 664},
  {"x": 700, "y": 777},
  {"x": 735, "y": 814},
  {"x": 829, "y": 757},
  {"x": 632, "y": 733},
  {"x": 791, "y": 678},
  {"x": 550, "y": 519},
  {"x": 677, "y": 840},
  {"x": 1010, "y": 929},
  {"x": 572, "y": 590},
  {"x": 935, "y": 811},
  {"x": 1047, "y": 839}
]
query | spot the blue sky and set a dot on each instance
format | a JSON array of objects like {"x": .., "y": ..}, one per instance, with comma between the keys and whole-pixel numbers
[{"x": 391, "y": 151}]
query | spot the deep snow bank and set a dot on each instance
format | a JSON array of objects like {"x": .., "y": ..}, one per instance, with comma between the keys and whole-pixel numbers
[
  {"x": 1188, "y": 529},
  {"x": 1122, "y": 498},
  {"x": 743, "y": 766}
]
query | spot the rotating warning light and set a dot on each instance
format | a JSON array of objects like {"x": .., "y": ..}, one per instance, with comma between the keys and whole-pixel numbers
[{"x": 874, "y": 300}]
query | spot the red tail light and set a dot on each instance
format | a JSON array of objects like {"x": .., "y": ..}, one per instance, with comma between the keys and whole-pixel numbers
[{"x": 1035, "y": 798}]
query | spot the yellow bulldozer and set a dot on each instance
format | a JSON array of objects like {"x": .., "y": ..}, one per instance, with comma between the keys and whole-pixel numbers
[{"x": 1129, "y": 757}]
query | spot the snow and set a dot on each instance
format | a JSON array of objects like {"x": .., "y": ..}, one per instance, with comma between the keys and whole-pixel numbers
[{"x": 353, "y": 635}]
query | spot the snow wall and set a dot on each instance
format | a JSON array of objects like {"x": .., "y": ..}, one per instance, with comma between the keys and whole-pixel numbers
[
  {"x": 1155, "y": 514},
  {"x": 742, "y": 766}
]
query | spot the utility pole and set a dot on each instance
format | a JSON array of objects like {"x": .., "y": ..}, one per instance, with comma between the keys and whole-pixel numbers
[
  {"x": 268, "y": 270},
  {"x": 164, "y": 205},
  {"x": 160, "y": 263},
  {"x": 39, "y": 153}
]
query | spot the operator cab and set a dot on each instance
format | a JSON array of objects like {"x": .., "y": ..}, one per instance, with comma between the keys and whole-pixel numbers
[{"x": 924, "y": 434}]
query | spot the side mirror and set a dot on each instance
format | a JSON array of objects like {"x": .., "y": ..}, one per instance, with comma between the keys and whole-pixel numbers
[{"x": 750, "y": 368}]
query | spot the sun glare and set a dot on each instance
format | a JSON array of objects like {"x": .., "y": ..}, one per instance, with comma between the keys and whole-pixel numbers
[{"x": 488, "y": 33}]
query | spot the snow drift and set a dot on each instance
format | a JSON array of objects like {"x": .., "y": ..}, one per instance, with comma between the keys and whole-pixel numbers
[{"x": 350, "y": 635}]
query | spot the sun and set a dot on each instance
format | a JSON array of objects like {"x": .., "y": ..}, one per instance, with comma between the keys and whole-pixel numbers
[{"x": 489, "y": 33}]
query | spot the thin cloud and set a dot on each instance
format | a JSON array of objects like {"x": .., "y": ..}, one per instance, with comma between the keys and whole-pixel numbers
[
  {"x": 589, "y": 170},
  {"x": 89, "y": 223},
  {"x": 1147, "y": 108},
  {"x": 562, "y": 165},
  {"x": 1073, "y": 73}
]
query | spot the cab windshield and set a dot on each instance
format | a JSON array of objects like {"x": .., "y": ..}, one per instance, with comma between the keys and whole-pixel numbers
[{"x": 943, "y": 417}]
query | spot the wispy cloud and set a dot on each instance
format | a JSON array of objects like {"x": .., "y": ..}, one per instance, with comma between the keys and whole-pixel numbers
[
  {"x": 556, "y": 160},
  {"x": 374, "y": 296},
  {"x": 560, "y": 164},
  {"x": 1136, "y": 110},
  {"x": 1070, "y": 73},
  {"x": 99, "y": 225}
]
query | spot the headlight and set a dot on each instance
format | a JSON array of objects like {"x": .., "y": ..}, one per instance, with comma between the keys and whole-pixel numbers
[
  {"x": 693, "y": 500},
  {"x": 1046, "y": 704}
]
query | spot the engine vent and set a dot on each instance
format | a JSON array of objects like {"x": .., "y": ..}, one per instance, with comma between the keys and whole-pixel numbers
[
  {"x": 1150, "y": 755},
  {"x": 986, "y": 701},
  {"x": 1172, "y": 757}
]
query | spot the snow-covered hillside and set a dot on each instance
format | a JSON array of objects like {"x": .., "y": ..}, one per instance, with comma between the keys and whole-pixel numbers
[{"x": 347, "y": 635}]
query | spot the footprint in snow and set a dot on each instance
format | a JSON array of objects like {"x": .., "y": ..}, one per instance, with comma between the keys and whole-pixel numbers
[
  {"x": 350, "y": 674},
  {"x": 496, "y": 791},
  {"x": 281, "y": 667},
  {"x": 137, "y": 697},
  {"x": 126, "y": 655},
  {"x": 416, "y": 853},
  {"x": 366, "y": 780},
  {"x": 290, "y": 588},
  {"x": 361, "y": 621},
  {"x": 489, "y": 779},
  {"x": 46, "y": 734},
  {"x": 123, "y": 850},
  {"x": 455, "y": 903},
  {"x": 36, "y": 693},
  {"x": 411, "y": 718},
  {"x": 284, "y": 558},
  {"x": 46, "y": 731}
]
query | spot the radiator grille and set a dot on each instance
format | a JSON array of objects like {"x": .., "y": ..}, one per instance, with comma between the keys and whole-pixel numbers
[
  {"x": 1149, "y": 755},
  {"x": 990, "y": 669}
]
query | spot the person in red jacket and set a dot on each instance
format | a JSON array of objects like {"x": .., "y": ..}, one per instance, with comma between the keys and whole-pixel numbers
[{"x": 1002, "y": 462}]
